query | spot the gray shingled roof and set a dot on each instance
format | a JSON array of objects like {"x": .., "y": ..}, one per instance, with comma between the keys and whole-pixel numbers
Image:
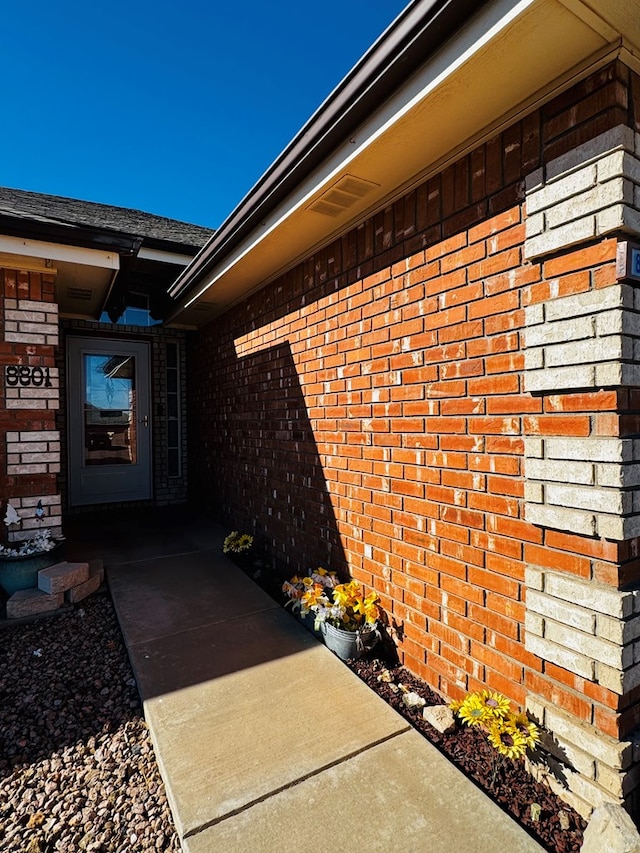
[{"x": 56, "y": 210}]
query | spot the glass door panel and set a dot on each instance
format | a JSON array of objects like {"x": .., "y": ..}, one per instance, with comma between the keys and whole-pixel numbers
[
  {"x": 109, "y": 420},
  {"x": 110, "y": 409}
]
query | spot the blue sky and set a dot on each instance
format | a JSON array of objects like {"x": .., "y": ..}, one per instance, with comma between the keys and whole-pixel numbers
[{"x": 175, "y": 108}]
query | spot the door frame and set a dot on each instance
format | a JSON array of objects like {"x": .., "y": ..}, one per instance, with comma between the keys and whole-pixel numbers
[{"x": 112, "y": 477}]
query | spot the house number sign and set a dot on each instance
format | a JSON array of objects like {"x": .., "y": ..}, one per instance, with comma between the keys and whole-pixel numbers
[
  {"x": 628, "y": 262},
  {"x": 26, "y": 377}
]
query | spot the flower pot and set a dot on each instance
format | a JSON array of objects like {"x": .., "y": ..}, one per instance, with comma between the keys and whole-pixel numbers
[
  {"x": 18, "y": 573},
  {"x": 308, "y": 622},
  {"x": 350, "y": 644}
]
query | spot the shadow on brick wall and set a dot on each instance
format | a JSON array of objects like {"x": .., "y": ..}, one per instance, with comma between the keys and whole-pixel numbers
[{"x": 254, "y": 462}]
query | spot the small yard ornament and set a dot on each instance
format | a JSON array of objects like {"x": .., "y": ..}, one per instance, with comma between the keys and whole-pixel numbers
[
  {"x": 41, "y": 541},
  {"x": 12, "y": 516}
]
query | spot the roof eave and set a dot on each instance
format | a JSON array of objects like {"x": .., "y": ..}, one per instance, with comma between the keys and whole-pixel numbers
[
  {"x": 406, "y": 44},
  {"x": 503, "y": 60},
  {"x": 71, "y": 235}
]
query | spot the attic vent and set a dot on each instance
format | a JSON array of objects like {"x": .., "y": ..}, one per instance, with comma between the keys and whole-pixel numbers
[
  {"x": 342, "y": 195},
  {"x": 321, "y": 206},
  {"x": 80, "y": 293}
]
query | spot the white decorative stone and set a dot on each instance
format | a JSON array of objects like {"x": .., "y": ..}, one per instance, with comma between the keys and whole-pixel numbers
[
  {"x": 31, "y": 322},
  {"x": 615, "y": 754},
  {"x": 561, "y": 611},
  {"x": 561, "y": 656},
  {"x": 30, "y": 602},
  {"x": 441, "y": 717},
  {"x": 612, "y": 830},
  {"x": 533, "y": 623},
  {"x": 413, "y": 700},
  {"x": 573, "y": 329},
  {"x": 559, "y": 518},
  {"x": 62, "y": 576},
  {"x": 587, "y": 593},
  {"x": 555, "y": 192},
  {"x": 594, "y": 499},
  {"x": 562, "y": 471},
  {"x": 567, "y": 235},
  {"x": 592, "y": 449},
  {"x": 36, "y": 452},
  {"x": 585, "y": 627},
  {"x": 594, "y": 648}
]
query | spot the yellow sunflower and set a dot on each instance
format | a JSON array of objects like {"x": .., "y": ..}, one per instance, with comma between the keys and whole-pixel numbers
[
  {"x": 496, "y": 704},
  {"x": 473, "y": 710},
  {"x": 527, "y": 729},
  {"x": 507, "y": 739}
]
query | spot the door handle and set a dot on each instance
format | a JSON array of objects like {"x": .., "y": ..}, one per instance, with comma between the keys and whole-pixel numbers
[{"x": 145, "y": 421}]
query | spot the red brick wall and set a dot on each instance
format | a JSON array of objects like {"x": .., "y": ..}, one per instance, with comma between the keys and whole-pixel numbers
[
  {"x": 38, "y": 287},
  {"x": 366, "y": 411}
]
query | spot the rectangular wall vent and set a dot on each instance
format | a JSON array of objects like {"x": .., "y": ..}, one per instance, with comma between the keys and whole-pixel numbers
[
  {"x": 342, "y": 195},
  {"x": 80, "y": 293}
]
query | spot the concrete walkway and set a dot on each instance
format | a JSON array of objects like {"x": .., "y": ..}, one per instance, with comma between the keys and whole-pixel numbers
[{"x": 266, "y": 741}]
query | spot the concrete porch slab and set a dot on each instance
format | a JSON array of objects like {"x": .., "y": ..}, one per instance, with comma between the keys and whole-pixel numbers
[
  {"x": 131, "y": 536},
  {"x": 162, "y": 596},
  {"x": 266, "y": 706},
  {"x": 255, "y": 723},
  {"x": 398, "y": 795}
]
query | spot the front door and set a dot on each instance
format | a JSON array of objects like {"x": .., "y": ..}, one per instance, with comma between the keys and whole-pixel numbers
[{"x": 109, "y": 429}]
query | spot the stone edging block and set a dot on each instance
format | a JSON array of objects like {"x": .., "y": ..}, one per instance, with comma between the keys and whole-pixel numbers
[{"x": 62, "y": 576}]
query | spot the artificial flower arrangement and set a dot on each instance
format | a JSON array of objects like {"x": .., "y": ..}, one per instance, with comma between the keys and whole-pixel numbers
[
  {"x": 41, "y": 542},
  {"x": 342, "y": 605},
  {"x": 510, "y": 734},
  {"x": 237, "y": 543}
]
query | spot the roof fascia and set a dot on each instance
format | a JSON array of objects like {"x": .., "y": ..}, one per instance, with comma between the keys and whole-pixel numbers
[
  {"x": 148, "y": 253},
  {"x": 123, "y": 244},
  {"x": 416, "y": 33},
  {"x": 81, "y": 255}
]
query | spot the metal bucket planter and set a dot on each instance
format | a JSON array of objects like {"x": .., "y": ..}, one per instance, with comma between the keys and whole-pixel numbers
[
  {"x": 18, "y": 573},
  {"x": 350, "y": 644},
  {"x": 309, "y": 623}
]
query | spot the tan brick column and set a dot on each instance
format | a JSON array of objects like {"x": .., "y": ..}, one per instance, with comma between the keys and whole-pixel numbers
[
  {"x": 30, "y": 443},
  {"x": 582, "y": 469}
]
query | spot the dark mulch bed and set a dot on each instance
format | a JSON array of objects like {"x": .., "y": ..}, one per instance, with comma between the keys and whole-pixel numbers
[{"x": 515, "y": 789}]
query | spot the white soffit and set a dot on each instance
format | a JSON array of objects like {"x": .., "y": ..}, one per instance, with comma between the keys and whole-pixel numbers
[
  {"x": 83, "y": 276},
  {"x": 499, "y": 62},
  {"x": 81, "y": 290},
  {"x": 59, "y": 252}
]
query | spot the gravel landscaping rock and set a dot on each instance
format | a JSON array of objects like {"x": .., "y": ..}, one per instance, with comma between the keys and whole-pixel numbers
[{"x": 77, "y": 768}]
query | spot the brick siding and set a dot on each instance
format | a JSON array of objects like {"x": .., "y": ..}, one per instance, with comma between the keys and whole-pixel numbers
[
  {"x": 29, "y": 442},
  {"x": 368, "y": 412},
  {"x": 33, "y": 429}
]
